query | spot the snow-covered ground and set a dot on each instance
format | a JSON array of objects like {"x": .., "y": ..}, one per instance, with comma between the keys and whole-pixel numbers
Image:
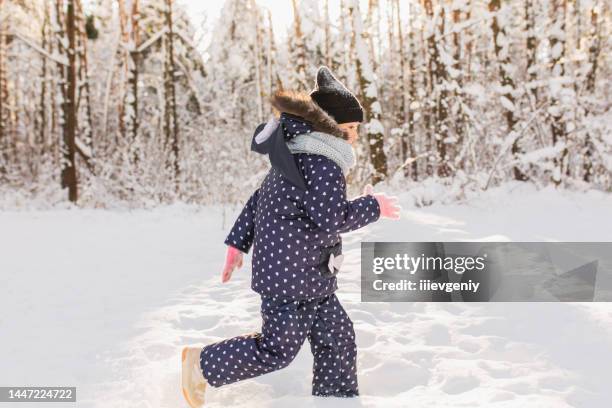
[{"x": 104, "y": 300}]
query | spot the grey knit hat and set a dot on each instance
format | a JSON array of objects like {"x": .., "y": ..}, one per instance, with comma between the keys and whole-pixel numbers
[{"x": 335, "y": 99}]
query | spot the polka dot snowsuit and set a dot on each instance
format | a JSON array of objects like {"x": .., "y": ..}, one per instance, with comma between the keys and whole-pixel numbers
[{"x": 292, "y": 233}]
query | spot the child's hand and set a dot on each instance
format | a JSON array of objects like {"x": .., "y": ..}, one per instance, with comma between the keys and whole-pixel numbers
[
  {"x": 389, "y": 208},
  {"x": 233, "y": 260}
]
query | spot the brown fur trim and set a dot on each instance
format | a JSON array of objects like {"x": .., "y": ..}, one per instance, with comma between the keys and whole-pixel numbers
[{"x": 300, "y": 104}]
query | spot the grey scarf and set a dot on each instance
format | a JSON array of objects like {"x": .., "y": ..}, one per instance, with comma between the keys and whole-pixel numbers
[{"x": 332, "y": 147}]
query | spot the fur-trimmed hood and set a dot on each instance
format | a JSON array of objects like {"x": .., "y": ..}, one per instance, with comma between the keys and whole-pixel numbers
[{"x": 301, "y": 104}]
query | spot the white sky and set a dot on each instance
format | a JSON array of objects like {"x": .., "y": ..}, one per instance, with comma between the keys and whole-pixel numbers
[{"x": 281, "y": 10}]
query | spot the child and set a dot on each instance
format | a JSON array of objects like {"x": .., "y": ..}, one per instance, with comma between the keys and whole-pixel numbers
[{"x": 293, "y": 221}]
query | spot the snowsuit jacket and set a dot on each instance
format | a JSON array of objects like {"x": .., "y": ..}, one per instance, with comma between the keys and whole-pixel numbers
[{"x": 293, "y": 232}]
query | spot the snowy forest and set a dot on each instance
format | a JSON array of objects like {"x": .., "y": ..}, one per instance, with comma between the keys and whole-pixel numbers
[{"x": 123, "y": 103}]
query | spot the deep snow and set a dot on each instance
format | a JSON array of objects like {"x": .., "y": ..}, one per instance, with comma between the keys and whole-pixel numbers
[{"x": 104, "y": 300}]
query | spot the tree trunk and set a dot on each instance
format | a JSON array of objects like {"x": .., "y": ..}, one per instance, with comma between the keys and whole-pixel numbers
[
  {"x": 371, "y": 105},
  {"x": 502, "y": 54},
  {"x": 3, "y": 93},
  {"x": 274, "y": 75},
  {"x": 460, "y": 122},
  {"x": 123, "y": 58},
  {"x": 41, "y": 116},
  {"x": 594, "y": 51},
  {"x": 425, "y": 73},
  {"x": 171, "y": 129},
  {"x": 404, "y": 112},
  {"x": 300, "y": 48},
  {"x": 369, "y": 29},
  {"x": 531, "y": 48},
  {"x": 69, "y": 174},
  {"x": 257, "y": 59},
  {"x": 438, "y": 78},
  {"x": 133, "y": 76},
  {"x": 84, "y": 90},
  {"x": 557, "y": 46},
  {"x": 412, "y": 94},
  {"x": 328, "y": 54}
]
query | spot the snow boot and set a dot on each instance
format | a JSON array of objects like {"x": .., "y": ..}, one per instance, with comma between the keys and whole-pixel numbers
[{"x": 193, "y": 382}]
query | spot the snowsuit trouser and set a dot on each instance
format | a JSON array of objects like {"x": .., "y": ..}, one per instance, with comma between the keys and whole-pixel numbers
[{"x": 286, "y": 324}]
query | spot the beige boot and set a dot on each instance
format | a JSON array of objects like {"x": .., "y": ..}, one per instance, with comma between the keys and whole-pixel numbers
[{"x": 193, "y": 382}]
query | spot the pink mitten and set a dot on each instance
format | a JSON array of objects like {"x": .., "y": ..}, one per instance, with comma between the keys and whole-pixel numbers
[
  {"x": 388, "y": 205},
  {"x": 233, "y": 260}
]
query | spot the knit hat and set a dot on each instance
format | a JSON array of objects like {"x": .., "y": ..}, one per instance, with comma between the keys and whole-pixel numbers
[{"x": 335, "y": 99}]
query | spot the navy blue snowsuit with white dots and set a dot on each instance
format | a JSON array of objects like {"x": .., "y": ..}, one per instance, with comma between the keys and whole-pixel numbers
[{"x": 292, "y": 233}]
